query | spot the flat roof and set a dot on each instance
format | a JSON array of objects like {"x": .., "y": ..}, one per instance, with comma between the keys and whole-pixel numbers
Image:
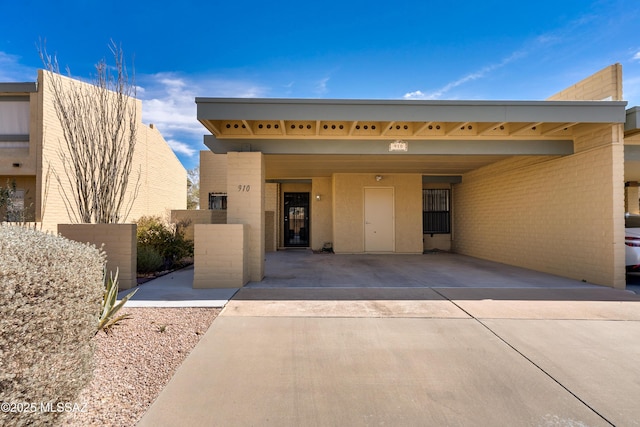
[
  {"x": 25, "y": 87},
  {"x": 410, "y": 110}
]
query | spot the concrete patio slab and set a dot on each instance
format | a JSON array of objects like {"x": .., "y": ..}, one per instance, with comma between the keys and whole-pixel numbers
[
  {"x": 175, "y": 290},
  {"x": 500, "y": 346},
  {"x": 251, "y": 371},
  {"x": 596, "y": 360},
  {"x": 342, "y": 302},
  {"x": 594, "y": 303},
  {"x": 303, "y": 268}
]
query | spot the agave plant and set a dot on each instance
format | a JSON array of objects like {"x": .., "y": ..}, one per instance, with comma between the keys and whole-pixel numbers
[{"x": 110, "y": 304}]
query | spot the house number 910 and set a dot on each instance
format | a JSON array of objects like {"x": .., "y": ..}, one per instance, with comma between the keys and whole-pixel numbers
[{"x": 244, "y": 188}]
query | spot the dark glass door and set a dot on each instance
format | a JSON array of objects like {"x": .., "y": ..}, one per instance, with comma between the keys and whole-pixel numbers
[{"x": 296, "y": 219}]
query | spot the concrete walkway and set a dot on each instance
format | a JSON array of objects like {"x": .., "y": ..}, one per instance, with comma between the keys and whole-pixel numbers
[
  {"x": 559, "y": 353},
  {"x": 176, "y": 290}
]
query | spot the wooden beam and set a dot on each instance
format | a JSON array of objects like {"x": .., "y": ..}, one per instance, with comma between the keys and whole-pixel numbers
[
  {"x": 247, "y": 127},
  {"x": 558, "y": 128},
  {"x": 421, "y": 128},
  {"x": 490, "y": 127},
  {"x": 386, "y": 127}
]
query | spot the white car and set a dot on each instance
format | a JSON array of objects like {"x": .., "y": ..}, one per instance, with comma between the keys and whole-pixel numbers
[{"x": 632, "y": 242}]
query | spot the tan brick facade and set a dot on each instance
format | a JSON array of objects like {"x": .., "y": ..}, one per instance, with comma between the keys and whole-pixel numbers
[
  {"x": 245, "y": 205},
  {"x": 559, "y": 215},
  {"x": 221, "y": 256},
  {"x": 160, "y": 176},
  {"x": 558, "y": 209},
  {"x": 119, "y": 242}
]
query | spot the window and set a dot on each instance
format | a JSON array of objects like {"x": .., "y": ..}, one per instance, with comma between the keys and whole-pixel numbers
[
  {"x": 218, "y": 201},
  {"x": 436, "y": 211}
]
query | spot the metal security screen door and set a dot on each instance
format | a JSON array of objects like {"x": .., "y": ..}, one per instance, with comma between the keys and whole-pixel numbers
[{"x": 296, "y": 219}]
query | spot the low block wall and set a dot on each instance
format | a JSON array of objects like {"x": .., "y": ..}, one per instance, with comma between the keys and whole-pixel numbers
[
  {"x": 221, "y": 256},
  {"x": 119, "y": 243}
]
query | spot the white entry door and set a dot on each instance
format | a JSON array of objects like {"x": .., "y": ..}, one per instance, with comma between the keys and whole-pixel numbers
[{"x": 378, "y": 220}]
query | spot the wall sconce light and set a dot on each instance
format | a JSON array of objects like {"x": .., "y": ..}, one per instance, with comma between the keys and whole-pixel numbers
[
  {"x": 318, "y": 197},
  {"x": 378, "y": 178}
]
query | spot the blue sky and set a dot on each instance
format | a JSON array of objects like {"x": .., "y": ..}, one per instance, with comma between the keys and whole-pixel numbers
[{"x": 424, "y": 49}]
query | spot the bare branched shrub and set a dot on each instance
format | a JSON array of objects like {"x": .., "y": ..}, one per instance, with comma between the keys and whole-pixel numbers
[
  {"x": 50, "y": 295},
  {"x": 99, "y": 122}
]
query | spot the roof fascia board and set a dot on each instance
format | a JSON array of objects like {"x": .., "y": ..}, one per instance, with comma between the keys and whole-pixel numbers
[
  {"x": 442, "y": 111},
  {"x": 632, "y": 124},
  {"x": 18, "y": 87},
  {"x": 431, "y": 147}
]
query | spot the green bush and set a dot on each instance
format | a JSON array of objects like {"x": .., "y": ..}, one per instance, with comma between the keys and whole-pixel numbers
[
  {"x": 167, "y": 239},
  {"x": 149, "y": 260},
  {"x": 50, "y": 295}
]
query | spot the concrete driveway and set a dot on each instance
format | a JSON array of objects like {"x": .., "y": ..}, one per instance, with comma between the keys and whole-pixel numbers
[{"x": 398, "y": 345}]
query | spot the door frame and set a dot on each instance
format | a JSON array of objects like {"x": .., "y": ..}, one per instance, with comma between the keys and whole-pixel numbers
[
  {"x": 307, "y": 220},
  {"x": 393, "y": 218}
]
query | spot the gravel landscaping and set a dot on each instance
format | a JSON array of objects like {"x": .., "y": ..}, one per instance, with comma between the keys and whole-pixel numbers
[{"x": 135, "y": 362}]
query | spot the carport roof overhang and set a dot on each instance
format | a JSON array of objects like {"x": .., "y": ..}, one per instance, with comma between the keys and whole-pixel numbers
[{"x": 343, "y": 131}]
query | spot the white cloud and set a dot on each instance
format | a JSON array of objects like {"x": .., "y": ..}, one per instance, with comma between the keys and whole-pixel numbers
[
  {"x": 483, "y": 72},
  {"x": 12, "y": 71},
  {"x": 631, "y": 87},
  {"x": 181, "y": 147},
  {"x": 168, "y": 101},
  {"x": 636, "y": 57},
  {"x": 321, "y": 86}
]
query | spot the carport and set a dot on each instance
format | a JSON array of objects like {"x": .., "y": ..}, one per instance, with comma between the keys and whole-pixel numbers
[{"x": 535, "y": 184}]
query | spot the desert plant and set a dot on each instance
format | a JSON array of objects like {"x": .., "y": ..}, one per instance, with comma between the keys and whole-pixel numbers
[
  {"x": 110, "y": 306},
  {"x": 167, "y": 239},
  {"x": 50, "y": 291},
  {"x": 99, "y": 124},
  {"x": 148, "y": 259}
]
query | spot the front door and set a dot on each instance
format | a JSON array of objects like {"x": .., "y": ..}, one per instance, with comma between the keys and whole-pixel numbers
[
  {"x": 296, "y": 219},
  {"x": 378, "y": 220}
]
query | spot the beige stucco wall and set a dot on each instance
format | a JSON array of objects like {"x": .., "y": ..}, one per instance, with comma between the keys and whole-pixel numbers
[
  {"x": 348, "y": 210},
  {"x": 161, "y": 177},
  {"x": 559, "y": 215}
]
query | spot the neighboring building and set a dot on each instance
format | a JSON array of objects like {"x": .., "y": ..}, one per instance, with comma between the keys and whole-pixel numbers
[
  {"x": 31, "y": 141},
  {"x": 536, "y": 184}
]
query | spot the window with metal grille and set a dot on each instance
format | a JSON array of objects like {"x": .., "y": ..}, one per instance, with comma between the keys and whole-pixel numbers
[
  {"x": 436, "y": 211},
  {"x": 218, "y": 201}
]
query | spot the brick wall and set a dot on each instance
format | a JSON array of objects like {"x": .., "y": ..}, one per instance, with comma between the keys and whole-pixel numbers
[
  {"x": 558, "y": 216},
  {"x": 221, "y": 256},
  {"x": 606, "y": 84},
  {"x": 562, "y": 215},
  {"x": 119, "y": 242},
  {"x": 245, "y": 203},
  {"x": 213, "y": 175},
  {"x": 162, "y": 179}
]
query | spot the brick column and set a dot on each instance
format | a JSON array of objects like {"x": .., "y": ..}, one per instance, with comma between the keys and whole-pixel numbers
[{"x": 245, "y": 204}]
